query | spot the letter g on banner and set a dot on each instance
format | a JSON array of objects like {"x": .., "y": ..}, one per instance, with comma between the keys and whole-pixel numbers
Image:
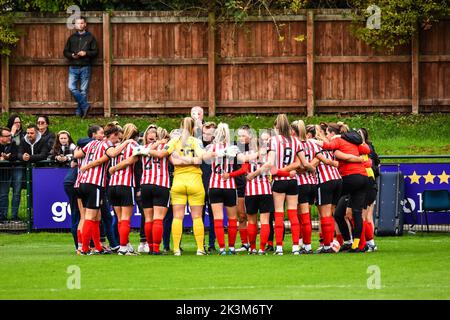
[{"x": 60, "y": 211}]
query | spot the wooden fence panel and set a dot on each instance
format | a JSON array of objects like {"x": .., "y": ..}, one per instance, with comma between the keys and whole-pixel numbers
[
  {"x": 435, "y": 72},
  {"x": 39, "y": 71},
  {"x": 161, "y": 63},
  {"x": 160, "y": 67},
  {"x": 260, "y": 72}
]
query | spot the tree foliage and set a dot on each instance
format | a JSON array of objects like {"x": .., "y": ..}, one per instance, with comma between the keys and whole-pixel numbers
[{"x": 400, "y": 20}]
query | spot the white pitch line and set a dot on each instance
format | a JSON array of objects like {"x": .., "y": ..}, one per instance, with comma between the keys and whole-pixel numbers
[{"x": 229, "y": 288}]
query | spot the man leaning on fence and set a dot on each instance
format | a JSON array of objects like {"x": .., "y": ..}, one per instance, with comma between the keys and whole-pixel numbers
[
  {"x": 8, "y": 155},
  {"x": 80, "y": 49}
]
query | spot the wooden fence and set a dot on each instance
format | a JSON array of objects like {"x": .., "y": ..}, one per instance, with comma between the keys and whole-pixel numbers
[{"x": 163, "y": 63}]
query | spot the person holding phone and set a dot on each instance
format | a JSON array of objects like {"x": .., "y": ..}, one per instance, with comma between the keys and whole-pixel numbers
[{"x": 81, "y": 48}]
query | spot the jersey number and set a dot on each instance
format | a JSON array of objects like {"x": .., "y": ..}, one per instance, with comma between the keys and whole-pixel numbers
[
  {"x": 287, "y": 157},
  {"x": 149, "y": 163}
]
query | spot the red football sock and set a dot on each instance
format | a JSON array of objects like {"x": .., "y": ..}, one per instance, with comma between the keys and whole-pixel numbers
[
  {"x": 327, "y": 224},
  {"x": 218, "y": 230},
  {"x": 148, "y": 226},
  {"x": 306, "y": 227},
  {"x": 369, "y": 231},
  {"x": 295, "y": 226},
  {"x": 124, "y": 232},
  {"x": 79, "y": 236},
  {"x": 279, "y": 227},
  {"x": 252, "y": 234},
  {"x": 232, "y": 232},
  {"x": 299, "y": 218},
  {"x": 362, "y": 240},
  {"x": 87, "y": 234},
  {"x": 157, "y": 233},
  {"x": 270, "y": 243},
  {"x": 96, "y": 235},
  {"x": 340, "y": 239},
  {"x": 243, "y": 233},
  {"x": 265, "y": 231}
]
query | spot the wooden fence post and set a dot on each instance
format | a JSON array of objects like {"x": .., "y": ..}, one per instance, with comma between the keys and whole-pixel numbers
[
  {"x": 211, "y": 64},
  {"x": 310, "y": 64},
  {"x": 106, "y": 64},
  {"x": 415, "y": 67},
  {"x": 5, "y": 83}
]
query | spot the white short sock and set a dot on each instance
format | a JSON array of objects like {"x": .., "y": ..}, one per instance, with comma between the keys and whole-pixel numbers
[
  {"x": 371, "y": 242},
  {"x": 307, "y": 247},
  {"x": 295, "y": 248},
  {"x": 279, "y": 248},
  {"x": 123, "y": 248}
]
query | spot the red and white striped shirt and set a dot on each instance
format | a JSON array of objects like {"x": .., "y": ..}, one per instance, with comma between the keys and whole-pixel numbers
[
  {"x": 261, "y": 184},
  {"x": 285, "y": 152},
  {"x": 94, "y": 150},
  {"x": 154, "y": 170},
  {"x": 308, "y": 177},
  {"x": 219, "y": 166},
  {"x": 79, "y": 164},
  {"x": 125, "y": 176},
  {"x": 326, "y": 172}
]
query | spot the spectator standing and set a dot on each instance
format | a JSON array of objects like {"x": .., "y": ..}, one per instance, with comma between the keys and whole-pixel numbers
[
  {"x": 81, "y": 48},
  {"x": 62, "y": 152},
  {"x": 42, "y": 123},
  {"x": 15, "y": 125},
  {"x": 18, "y": 172},
  {"x": 8, "y": 153},
  {"x": 33, "y": 148}
]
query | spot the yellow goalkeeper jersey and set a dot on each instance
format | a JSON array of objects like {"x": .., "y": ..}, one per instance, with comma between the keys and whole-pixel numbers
[{"x": 192, "y": 148}]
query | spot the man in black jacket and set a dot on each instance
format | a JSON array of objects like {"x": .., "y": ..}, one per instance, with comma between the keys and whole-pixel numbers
[
  {"x": 33, "y": 148},
  {"x": 8, "y": 154},
  {"x": 81, "y": 48}
]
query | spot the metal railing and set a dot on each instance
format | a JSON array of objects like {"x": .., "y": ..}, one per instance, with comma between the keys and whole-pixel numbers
[
  {"x": 8, "y": 172},
  {"x": 25, "y": 211}
]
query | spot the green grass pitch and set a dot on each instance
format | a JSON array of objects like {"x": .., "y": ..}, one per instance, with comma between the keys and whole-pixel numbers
[{"x": 35, "y": 266}]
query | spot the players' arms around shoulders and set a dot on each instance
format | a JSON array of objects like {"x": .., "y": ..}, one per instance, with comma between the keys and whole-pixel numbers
[
  {"x": 321, "y": 158},
  {"x": 123, "y": 164},
  {"x": 111, "y": 152}
]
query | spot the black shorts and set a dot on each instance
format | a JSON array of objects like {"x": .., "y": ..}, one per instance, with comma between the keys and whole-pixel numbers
[
  {"x": 371, "y": 194},
  {"x": 289, "y": 187},
  {"x": 91, "y": 195},
  {"x": 355, "y": 185},
  {"x": 307, "y": 193},
  {"x": 226, "y": 196},
  {"x": 261, "y": 203},
  {"x": 121, "y": 196},
  {"x": 154, "y": 196},
  {"x": 329, "y": 192},
  {"x": 240, "y": 186}
]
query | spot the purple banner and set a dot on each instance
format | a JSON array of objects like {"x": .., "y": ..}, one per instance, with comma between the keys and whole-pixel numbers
[
  {"x": 420, "y": 177},
  {"x": 51, "y": 209}
]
